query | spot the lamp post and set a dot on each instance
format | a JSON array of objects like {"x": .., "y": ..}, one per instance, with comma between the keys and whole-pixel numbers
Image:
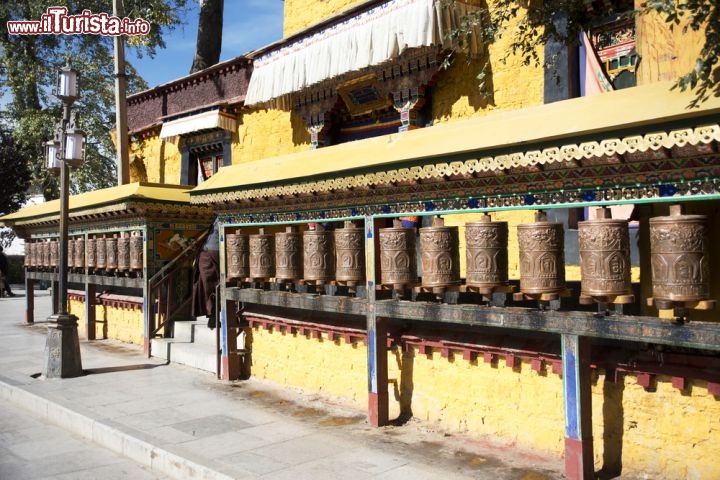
[{"x": 62, "y": 347}]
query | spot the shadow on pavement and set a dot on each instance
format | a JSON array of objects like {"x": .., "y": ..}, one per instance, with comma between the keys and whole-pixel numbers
[{"x": 125, "y": 368}]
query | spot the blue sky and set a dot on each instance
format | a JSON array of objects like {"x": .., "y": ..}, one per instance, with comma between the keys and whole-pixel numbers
[{"x": 248, "y": 25}]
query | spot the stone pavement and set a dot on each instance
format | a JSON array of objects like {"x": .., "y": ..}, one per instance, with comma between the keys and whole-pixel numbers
[{"x": 177, "y": 422}]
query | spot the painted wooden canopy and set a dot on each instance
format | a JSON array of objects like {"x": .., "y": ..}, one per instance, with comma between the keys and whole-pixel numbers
[{"x": 637, "y": 143}]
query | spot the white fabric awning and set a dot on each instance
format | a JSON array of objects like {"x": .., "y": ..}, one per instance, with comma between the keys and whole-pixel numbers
[
  {"x": 370, "y": 38},
  {"x": 199, "y": 121}
]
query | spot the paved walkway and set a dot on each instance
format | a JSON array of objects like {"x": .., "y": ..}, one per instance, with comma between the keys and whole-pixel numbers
[{"x": 177, "y": 422}]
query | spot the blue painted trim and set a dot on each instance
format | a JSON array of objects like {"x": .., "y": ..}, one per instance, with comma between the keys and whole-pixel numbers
[
  {"x": 372, "y": 365},
  {"x": 571, "y": 383}
]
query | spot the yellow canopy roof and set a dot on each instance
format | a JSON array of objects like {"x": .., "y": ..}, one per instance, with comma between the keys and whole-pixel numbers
[
  {"x": 105, "y": 197},
  {"x": 625, "y": 109}
]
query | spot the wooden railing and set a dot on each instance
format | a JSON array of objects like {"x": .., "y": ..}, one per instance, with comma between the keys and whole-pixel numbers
[{"x": 170, "y": 292}]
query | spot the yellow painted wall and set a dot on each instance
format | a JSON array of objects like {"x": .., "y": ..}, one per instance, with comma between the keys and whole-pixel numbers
[
  {"x": 300, "y": 14},
  {"x": 333, "y": 368},
  {"x": 155, "y": 160},
  {"x": 665, "y": 54},
  {"x": 266, "y": 133},
  {"x": 121, "y": 324},
  {"x": 483, "y": 399},
  {"x": 664, "y": 434}
]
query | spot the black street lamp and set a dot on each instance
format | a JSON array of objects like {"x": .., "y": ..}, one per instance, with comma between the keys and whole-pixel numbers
[{"x": 62, "y": 347}]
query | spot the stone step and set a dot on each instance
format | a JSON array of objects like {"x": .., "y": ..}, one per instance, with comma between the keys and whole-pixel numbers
[
  {"x": 200, "y": 356},
  {"x": 195, "y": 332}
]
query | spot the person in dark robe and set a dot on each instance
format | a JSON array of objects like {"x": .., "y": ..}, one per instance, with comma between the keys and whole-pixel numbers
[
  {"x": 206, "y": 276},
  {"x": 4, "y": 270}
]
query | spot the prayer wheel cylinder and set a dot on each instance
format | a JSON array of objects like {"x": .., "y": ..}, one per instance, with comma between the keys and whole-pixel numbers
[
  {"x": 27, "y": 261},
  {"x": 238, "y": 255},
  {"x": 262, "y": 255},
  {"x": 136, "y": 251},
  {"x": 79, "y": 257},
  {"x": 111, "y": 253},
  {"x": 398, "y": 261},
  {"x": 54, "y": 251},
  {"x": 91, "y": 252},
  {"x": 318, "y": 254},
  {"x": 679, "y": 255},
  {"x": 70, "y": 253},
  {"x": 350, "y": 254},
  {"x": 486, "y": 253},
  {"x": 123, "y": 258},
  {"x": 439, "y": 255},
  {"x": 542, "y": 257},
  {"x": 34, "y": 248},
  {"x": 604, "y": 255},
  {"x": 289, "y": 254},
  {"x": 101, "y": 247},
  {"x": 45, "y": 253}
]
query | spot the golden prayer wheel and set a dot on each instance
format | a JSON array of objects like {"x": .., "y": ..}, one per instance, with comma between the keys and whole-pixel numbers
[
  {"x": 318, "y": 254},
  {"x": 262, "y": 255},
  {"x": 45, "y": 253},
  {"x": 136, "y": 251},
  {"x": 542, "y": 257},
  {"x": 604, "y": 255},
  {"x": 111, "y": 253},
  {"x": 486, "y": 253},
  {"x": 398, "y": 263},
  {"x": 289, "y": 254},
  {"x": 439, "y": 255},
  {"x": 238, "y": 255},
  {"x": 101, "y": 258},
  {"x": 27, "y": 261},
  {"x": 70, "y": 253},
  {"x": 679, "y": 255},
  {"x": 91, "y": 253},
  {"x": 34, "y": 249},
  {"x": 350, "y": 254},
  {"x": 123, "y": 255},
  {"x": 79, "y": 257},
  {"x": 54, "y": 251}
]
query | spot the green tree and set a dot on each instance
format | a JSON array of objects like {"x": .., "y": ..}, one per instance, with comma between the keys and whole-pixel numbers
[
  {"x": 28, "y": 65},
  {"x": 533, "y": 24},
  {"x": 15, "y": 174}
]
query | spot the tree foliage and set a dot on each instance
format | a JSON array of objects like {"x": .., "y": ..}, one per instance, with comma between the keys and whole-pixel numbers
[
  {"x": 533, "y": 24},
  {"x": 28, "y": 66},
  {"x": 14, "y": 172}
]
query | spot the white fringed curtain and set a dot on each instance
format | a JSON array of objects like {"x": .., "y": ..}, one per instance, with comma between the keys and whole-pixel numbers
[{"x": 370, "y": 38}]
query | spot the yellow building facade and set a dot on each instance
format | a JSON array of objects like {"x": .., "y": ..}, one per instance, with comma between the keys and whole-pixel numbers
[{"x": 623, "y": 394}]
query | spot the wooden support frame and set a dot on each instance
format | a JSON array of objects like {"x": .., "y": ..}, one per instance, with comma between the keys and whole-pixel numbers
[
  {"x": 577, "y": 400},
  {"x": 378, "y": 398}
]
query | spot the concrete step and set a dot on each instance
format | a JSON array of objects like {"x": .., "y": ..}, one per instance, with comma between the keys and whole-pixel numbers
[
  {"x": 193, "y": 355},
  {"x": 195, "y": 332}
]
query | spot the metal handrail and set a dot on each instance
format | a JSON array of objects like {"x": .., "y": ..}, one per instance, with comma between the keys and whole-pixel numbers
[
  {"x": 194, "y": 246},
  {"x": 162, "y": 277}
]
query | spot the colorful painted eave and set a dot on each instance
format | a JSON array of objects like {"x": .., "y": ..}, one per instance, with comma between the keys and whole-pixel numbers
[
  {"x": 105, "y": 200},
  {"x": 635, "y": 119}
]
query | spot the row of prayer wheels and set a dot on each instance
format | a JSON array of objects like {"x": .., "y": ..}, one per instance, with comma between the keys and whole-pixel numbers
[
  {"x": 112, "y": 253},
  {"x": 678, "y": 248},
  {"x": 314, "y": 255}
]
